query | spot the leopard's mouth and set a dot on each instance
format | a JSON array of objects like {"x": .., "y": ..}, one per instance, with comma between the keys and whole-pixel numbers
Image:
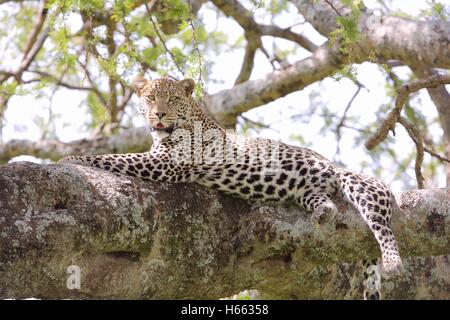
[{"x": 161, "y": 127}]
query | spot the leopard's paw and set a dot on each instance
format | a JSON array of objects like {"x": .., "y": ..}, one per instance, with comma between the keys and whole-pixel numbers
[
  {"x": 325, "y": 212},
  {"x": 392, "y": 267}
]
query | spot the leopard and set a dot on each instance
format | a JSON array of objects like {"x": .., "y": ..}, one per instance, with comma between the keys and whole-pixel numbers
[{"x": 190, "y": 147}]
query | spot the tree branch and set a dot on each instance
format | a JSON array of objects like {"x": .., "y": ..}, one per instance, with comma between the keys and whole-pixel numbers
[
  {"x": 34, "y": 43},
  {"x": 403, "y": 94},
  {"x": 227, "y": 104},
  {"x": 137, "y": 239},
  {"x": 33, "y": 46},
  {"x": 288, "y": 34},
  {"x": 234, "y": 9},
  {"x": 249, "y": 58},
  {"x": 161, "y": 38},
  {"x": 441, "y": 99},
  {"x": 390, "y": 37},
  {"x": 88, "y": 76},
  {"x": 253, "y": 33},
  {"x": 416, "y": 137},
  {"x": 344, "y": 117},
  {"x": 130, "y": 140},
  {"x": 28, "y": 59},
  {"x": 37, "y": 28},
  {"x": 430, "y": 49},
  {"x": 57, "y": 80}
]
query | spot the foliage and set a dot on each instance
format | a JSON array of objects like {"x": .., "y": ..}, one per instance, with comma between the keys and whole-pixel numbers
[{"x": 97, "y": 46}]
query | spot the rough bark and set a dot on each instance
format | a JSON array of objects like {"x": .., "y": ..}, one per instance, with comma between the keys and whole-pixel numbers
[
  {"x": 423, "y": 278},
  {"x": 414, "y": 42},
  {"x": 137, "y": 239}
]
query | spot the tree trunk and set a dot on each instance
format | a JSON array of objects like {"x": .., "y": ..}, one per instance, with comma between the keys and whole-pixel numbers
[{"x": 144, "y": 240}]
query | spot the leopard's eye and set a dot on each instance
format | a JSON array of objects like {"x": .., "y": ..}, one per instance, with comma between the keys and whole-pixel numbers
[
  {"x": 173, "y": 99},
  {"x": 150, "y": 99}
]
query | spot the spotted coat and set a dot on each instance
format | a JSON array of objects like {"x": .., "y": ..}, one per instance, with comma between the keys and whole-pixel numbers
[{"x": 250, "y": 168}]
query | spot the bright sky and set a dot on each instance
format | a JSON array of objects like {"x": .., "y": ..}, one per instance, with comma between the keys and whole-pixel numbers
[{"x": 23, "y": 111}]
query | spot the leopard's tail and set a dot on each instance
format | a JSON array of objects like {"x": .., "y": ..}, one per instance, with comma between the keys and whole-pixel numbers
[
  {"x": 372, "y": 279},
  {"x": 375, "y": 203}
]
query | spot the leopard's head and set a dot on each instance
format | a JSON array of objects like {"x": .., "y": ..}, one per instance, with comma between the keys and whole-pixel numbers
[{"x": 166, "y": 104}]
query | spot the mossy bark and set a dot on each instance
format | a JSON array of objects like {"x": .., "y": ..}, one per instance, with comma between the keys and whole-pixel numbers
[{"x": 141, "y": 240}]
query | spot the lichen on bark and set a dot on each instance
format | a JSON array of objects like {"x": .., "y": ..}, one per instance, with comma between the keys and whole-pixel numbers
[{"x": 141, "y": 240}]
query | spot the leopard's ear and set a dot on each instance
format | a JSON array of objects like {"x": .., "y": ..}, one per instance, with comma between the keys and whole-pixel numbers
[
  {"x": 138, "y": 84},
  {"x": 188, "y": 86}
]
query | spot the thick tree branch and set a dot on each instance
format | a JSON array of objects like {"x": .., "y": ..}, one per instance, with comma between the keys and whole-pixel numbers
[
  {"x": 320, "y": 14},
  {"x": 136, "y": 239},
  {"x": 130, "y": 140},
  {"x": 413, "y": 42},
  {"x": 227, "y": 104}
]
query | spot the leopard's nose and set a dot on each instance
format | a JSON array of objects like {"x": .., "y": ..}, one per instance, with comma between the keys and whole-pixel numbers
[{"x": 160, "y": 114}]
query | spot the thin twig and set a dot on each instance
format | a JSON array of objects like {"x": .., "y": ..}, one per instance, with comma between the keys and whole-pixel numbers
[
  {"x": 160, "y": 37},
  {"x": 50, "y": 105},
  {"x": 332, "y": 7},
  {"x": 258, "y": 124},
  {"x": 416, "y": 136},
  {"x": 56, "y": 80},
  {"x": 344, "y": 115},
  {"x": 91, "y": 82},
  {"x": 269, "y": 58},
  {"x": 436, "y": 155},
  {"x": 343, "y": 118},
  {"x": 196, "y": 49}
]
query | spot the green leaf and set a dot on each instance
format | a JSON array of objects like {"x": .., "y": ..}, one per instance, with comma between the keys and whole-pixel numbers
[
  {"x": 97, "y": 110},
  {"x": 150, "y": 55}
]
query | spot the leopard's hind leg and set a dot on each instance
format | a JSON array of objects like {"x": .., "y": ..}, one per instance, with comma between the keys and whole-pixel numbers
[{"x": 375, "y": 203}]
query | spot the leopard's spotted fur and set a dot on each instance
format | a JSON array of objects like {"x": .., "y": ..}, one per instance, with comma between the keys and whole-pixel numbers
[{"x": 302, "y": 175}]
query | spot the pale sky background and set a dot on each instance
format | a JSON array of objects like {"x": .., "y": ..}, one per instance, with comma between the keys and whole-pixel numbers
[{"x": 67, "y": 105}]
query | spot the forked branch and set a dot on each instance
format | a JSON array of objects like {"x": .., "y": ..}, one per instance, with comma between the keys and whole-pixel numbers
[
  {"x": 403, "y": 95},
  {"x": 413, "y": 131}
]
